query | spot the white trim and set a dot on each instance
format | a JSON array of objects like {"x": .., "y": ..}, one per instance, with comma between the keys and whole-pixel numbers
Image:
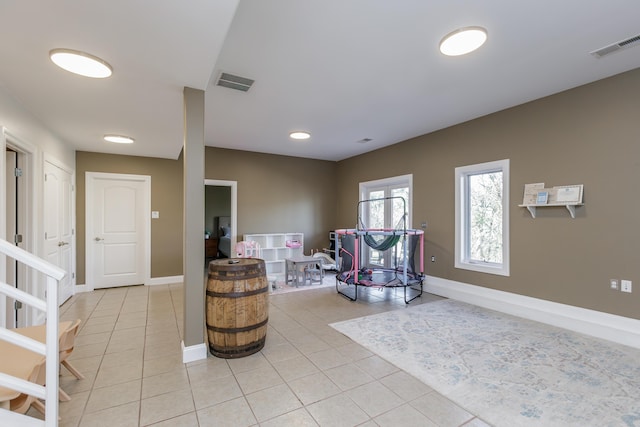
[
  {"x": 33, "y": 220},
  {"x": 193, "y": 352},
  {"x": 400, "y": 180},
  {"x": 234, "y": 205},
  {"x": 387, "y": 185},
  {"x": 619, "y": 329},
  {"x": 461, "y": 221},
  {"x": 3, "y": 226},
  {"x": 167, "y": 280},
  {"x": 82, "y": 288}
]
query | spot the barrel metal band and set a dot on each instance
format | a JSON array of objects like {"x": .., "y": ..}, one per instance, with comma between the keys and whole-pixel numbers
[
  {"x": 237, "y": 294},
  {"x": 238, "y": 351},
  {"x": 235, "y": 274},
  {"x": 236, "y": 330}
]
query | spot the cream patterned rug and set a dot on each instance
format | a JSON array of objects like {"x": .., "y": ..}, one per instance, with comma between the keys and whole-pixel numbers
[
  {"x": 281, "y": 287},
  {"x": 507, "y": 370}
]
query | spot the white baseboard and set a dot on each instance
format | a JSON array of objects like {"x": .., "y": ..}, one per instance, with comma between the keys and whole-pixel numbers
[
  {"x": 193, "y": 352},
  {"x": 82, "y": 288},
  {"x": 619, "y": 329},
  {"x": 167, "y": 280}
]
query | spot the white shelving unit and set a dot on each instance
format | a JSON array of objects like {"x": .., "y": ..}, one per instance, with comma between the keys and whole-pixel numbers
[
  {"x": 275, "y": 248},
  {"x": 537, "y": 196},
  {"x": 571, "y": 207}
]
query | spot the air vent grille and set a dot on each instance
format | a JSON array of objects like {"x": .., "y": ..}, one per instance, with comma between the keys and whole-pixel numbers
[
  {"x": 234, "y": 82},
  {"x": 631, "y": 41}
]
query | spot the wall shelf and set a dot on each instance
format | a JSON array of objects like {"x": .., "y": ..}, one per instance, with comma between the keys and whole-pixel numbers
[{"x": 571, "y": 207}]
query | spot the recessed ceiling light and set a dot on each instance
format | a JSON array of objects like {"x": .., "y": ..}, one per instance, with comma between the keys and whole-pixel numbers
[
  {"x": 119, "y": 139},
  {"x": 463, "y": 41},
  {"x": 300, "y": 135},
  {"x": 80, "y": 63}
]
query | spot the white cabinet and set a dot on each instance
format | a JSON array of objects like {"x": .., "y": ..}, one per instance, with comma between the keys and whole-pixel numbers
[{"x": 275, "y": 248}]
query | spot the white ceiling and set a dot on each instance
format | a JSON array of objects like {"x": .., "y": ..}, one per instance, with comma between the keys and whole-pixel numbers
[{"x": 343, "y": 70}]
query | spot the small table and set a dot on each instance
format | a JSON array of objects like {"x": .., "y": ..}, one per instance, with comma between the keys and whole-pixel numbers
[{"x": 297, "y": 264}]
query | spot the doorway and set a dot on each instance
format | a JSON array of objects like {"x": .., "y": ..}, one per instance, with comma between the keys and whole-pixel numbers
[
  {"x": 221, "y": 197},
  {"x": 17, "y": 207},
  {"x": 386, "y": 211}
]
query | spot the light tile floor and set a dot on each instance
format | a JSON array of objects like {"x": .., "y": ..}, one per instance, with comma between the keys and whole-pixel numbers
[{"x": 308, "y": 374}]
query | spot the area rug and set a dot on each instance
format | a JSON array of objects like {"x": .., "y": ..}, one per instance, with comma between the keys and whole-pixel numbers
[
  {"x": 507, "y": 370},
  {"x": 281, "y": 287}
]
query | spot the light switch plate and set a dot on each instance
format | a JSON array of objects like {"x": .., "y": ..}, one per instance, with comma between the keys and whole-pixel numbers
[{"x": 625, "y": 286}]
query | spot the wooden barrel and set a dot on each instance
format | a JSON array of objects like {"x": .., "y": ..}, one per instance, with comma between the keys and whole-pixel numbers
[{"x": 237, "y": 307}]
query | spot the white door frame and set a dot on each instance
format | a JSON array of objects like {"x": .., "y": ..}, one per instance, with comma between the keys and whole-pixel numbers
[
  {"x": 89, "y": 189},
  {"x": 234, "y": 205},
  {"x": 365, "y": 187},
  {"x": 31, "y": 176}
]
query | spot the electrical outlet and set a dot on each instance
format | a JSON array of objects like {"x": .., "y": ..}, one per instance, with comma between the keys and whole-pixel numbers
[
  {"x": 625, "y": 286},
  {"x": 613, "y": 284},
  {"x": 433, "y": 258}
]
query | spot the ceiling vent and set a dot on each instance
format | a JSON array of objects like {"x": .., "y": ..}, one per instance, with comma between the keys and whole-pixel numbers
[
  {"x": 632, "y": 41},
  {"x": 234, "y": 82}
]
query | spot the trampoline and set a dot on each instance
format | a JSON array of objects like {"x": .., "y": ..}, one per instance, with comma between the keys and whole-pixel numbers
[{"x": 403, "y": 243}]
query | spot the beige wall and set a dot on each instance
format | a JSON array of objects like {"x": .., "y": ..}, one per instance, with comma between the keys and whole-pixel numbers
[
  {"x": 166, "y": 197},
  {"x": 278, "y": 193},
  {"x": 275, "y": 194},
  {"x": 589, "y": 135}
]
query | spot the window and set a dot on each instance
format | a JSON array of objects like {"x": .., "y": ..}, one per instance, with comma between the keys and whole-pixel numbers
[{"x": 482, "y": 217}]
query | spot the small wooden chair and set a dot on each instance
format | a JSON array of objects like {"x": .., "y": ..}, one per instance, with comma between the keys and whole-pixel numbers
[
  {"x": 313, "y": 274},
  {"x": 67, "y": 343},
  {"x": 23, "y": 402},
  {"x": 65, "y": 346}
]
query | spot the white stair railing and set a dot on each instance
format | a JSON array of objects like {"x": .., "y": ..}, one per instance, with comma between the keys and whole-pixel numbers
[{"x": 48, "y": 392}]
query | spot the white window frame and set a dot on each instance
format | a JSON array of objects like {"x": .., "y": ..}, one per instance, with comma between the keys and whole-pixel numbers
[{"x": 462, "y": 259}]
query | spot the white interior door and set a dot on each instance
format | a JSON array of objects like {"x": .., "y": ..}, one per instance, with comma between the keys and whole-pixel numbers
[
  {"x": 58, "y": 227},
  {"x": 118, "y": 229}
]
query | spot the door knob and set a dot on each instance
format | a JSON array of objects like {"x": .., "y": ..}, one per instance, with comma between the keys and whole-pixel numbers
[
  {"x": 97, "y": 239},
  {"x": 62, "y": 243}
]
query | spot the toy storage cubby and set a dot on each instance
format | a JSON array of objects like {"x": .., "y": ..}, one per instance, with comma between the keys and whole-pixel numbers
[{"x": 275, "y": 248}]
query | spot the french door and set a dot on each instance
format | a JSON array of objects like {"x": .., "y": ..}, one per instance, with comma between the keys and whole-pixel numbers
[{"x": 389, "y": 202}]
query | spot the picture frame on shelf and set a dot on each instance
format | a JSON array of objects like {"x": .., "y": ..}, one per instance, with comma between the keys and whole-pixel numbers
[
  {"x": 542, "y": 197},
  {"x": 569, "y": 194}
]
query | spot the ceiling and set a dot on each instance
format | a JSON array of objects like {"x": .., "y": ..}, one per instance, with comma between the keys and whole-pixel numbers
[{"x": 342, "y": 70}]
